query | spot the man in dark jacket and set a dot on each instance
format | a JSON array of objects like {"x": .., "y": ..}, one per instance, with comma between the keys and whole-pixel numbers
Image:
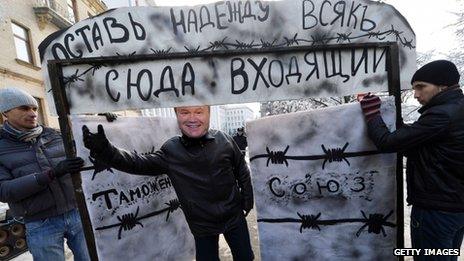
[
  {"x": 241, "y": 139},
  {"x": 209, "y": 175},
  {"x": 434, "y": 147},
  {"x": 34, "y": 180}
]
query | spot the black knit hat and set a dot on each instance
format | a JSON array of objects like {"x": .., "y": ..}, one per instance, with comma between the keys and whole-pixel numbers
[{"x": 440, "y": 72}]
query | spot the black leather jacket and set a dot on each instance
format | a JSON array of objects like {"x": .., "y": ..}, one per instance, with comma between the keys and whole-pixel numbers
[
  {"x": 210, "y": 177},
  {"x": 434, "y": 147}
]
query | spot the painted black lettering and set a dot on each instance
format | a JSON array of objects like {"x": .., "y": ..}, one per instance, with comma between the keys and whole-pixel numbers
[
  {"x": 153, "y": 186},
  {"x": 130, "y": 84},
  {"x": 145, "y": 190},
  {"x": 360, "y": 182},
  {"x": 58, "y": 46},
  {"x": 234, "y": 12},
  {"x": 107, "y": 85},
  {"x": 164, "y": 183},
  {"x": 247, "y": 13},
  {"x": 321, "y": 10},
  {"x": 340, "y": 12},
  {"x": 188, "y": 69},
  {"x": 271, "y": 187},
  {"x": 366, "y": 24},
  {"x": 176, "y": 23},
  {"x": 309, "y": 19},
  {"x": 219, "y": 15},
  {"x": 150, "y": 84},
  {"x": 192, "y": 20},
  {"x": 331, "y": 186},
  {"x": 265, "y": 9},
  {"x": 106, "y": 195},
  {"x": 293, "y": 64},
  {"x": 259, "y": 73},
  {"x": 81, "y": 32},
  {"x": 377, "y": 61},
  {"x": 123, "y": 198},
  {"x": 136, "y": 193},
  {"x": 272, "y": 73},
  {"x": 114, "y": 24},
  {"x": 96, "y": 36},
  {"x": 355, "y": 65},
  {"x": 299, "y": 188},
  {"x": 352, "y": 15},
  {"x": 168, "y": 70},
  {"x": 138, "y": 29},
  {"x": 312, "y": 63},
  {"x": 336, "y": 70},
  {"x": 68, "y": 48},
  {"x": 238, "y": 72},
  {"x": 205, "y": 12}
]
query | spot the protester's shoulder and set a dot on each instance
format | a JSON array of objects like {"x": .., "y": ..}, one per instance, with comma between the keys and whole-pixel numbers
[
  {"x": 171, "y": 142},
  {"x": 442, "y": 110},
  {"x": 219, "y": 134},
  {"x": 49, "y": 131}
]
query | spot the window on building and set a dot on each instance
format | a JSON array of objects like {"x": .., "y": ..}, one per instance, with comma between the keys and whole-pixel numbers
[
  {"x": 40, "y": 117},
  {"x": 71, "y": 10},
  {"x": 22, "y": 42}
]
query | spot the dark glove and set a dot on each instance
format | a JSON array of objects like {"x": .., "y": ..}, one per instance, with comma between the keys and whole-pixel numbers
[
  {"x": 69, "y": 165},
  {"x": 110, "y": 117},
  {"x": 95, "y": 142},
  {"x": 370, "y": 106}
]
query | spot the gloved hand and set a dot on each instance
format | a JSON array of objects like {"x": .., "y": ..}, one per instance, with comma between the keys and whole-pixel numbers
[
  {"x": 370, "y": 105},
  {"x": 95, "y": 142},
  {"x": 69, "y": 165},
  {"x": 110, "y": 117}
]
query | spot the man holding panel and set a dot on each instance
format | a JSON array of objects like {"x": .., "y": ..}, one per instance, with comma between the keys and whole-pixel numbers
[{"x": 208, "y": 172}]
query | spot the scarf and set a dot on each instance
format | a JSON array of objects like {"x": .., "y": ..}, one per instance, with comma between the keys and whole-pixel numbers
[{"x": 25, "y": 136}]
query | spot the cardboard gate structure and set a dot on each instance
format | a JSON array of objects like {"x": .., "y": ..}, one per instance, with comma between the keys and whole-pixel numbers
[{"x": 225, "y": 52}]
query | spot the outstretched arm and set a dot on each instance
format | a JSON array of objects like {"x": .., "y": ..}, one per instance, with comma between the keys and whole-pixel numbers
[{"x": 101, "y": 149}]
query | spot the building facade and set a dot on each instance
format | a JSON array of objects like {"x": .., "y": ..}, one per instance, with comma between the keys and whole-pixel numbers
[
  {"x": 217, "y": 115},
  {"x": 23, "y": 26},
  {"x": 236, "y": 116}
]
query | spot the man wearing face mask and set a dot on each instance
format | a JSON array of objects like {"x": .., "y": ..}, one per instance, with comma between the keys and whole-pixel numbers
[
  {"x": 208, "y": 172},
  {"x": 35, "y": 180},
  {"x": 434, "y": 147}
]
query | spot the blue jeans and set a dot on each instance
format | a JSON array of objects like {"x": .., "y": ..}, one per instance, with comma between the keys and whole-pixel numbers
[
  {"x": 436, "y": 229},
  {"x": 45, "y": 237},
  {"x": 238, "y": 238}
]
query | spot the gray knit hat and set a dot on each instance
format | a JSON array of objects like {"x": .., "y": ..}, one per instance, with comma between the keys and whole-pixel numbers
[{"x": 11, "y": 98}]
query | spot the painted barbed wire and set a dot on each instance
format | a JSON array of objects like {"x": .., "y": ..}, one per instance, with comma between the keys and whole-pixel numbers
[
  {"x": 193, "y": 50},
  {"x": 129, "y": 221},
  {"x": 76, "y": 76},
  {"x": 97, "y": 167},
  {"x": 330, "y": 155},
  {"x": 314, "y": 40},
  {"x": 375, "y": 223},
  {"x": 285, "y": 42},
  {"x": 162, "y": 51},
  {"x": 131, "y": 54}
]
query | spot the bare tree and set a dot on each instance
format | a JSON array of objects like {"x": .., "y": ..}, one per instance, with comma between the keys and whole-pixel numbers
[{"x": 457, "y": 54}]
